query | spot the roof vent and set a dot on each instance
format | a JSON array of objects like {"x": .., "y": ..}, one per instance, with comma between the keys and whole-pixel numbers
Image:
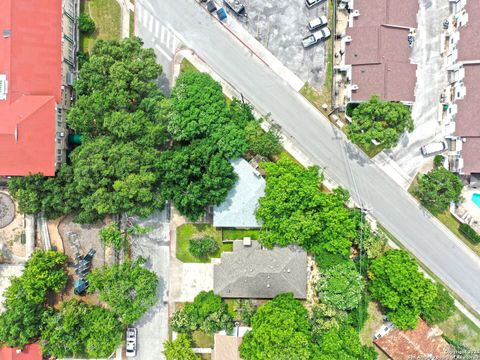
[
  {"x": 7, "y": 33},
  {"x": 3, "y": 87}
]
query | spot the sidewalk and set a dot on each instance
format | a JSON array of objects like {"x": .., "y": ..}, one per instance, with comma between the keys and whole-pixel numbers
[{"x": 126, "y": 6}]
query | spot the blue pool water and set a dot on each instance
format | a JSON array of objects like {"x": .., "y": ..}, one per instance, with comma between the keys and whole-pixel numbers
[{"x": 476, "y": 199}]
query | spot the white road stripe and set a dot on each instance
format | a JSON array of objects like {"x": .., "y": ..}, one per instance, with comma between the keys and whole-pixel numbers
[
  {"x": 168, "y": 39},
  {"x": 146, "y": 16},
  {"x": 150, "y": 24},
  {"x": 174, "y": 44},
  {"x": 157, "y": 28},
  {"x": 162, "y": 35},
  {"x": 139, "y": 11},
  {"x": 169, "y": 58}
]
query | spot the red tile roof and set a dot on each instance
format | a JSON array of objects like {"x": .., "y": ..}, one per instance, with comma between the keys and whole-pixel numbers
[
  {"x": 422, "y": 343},
  {"x": 467, "y": 122},
  {"x": 31, "y": 60},
  {"x": 467, "y": 47},
  {"x": 379, "y": 52},
  {"x": 30, "y": 352}
]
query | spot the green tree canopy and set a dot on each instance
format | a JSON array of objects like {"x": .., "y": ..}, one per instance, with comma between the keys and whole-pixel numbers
[
  {"x": 26, "y": 296},
  {"x": 280, "y": 331},
  {"x": 110, "y": 235},
  {"x": 401, "y": 288},
  {"x": 342, "y": 343},
  {"x": 295, "y": 211},
  {"x": 129, "y": 289},
  {"x": 441, "y": 308},
  {"x": 383, "y": 121},
  {"x": 81, "y": 330},
  {"x": 208, "y": 312},
  {"x": 341, "y": 286},
  {"x": 202, "y": 247},
  {"x": 86, "y": 24},
  {"x": 438, "y": 188},
  {"x": 179, "y": 349}
]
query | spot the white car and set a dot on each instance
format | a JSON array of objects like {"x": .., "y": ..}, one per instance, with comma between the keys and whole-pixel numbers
[
  {"x": 131, "y": 342},
  {"x": 317, "y": 36},
  {"x": 312, "y": 3},
  {"x": 433, "y": 148},
  {"x": 317, "y": 23}
]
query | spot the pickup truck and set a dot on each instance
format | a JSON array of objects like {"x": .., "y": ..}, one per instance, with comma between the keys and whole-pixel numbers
[{"x": 316, "y": 37}]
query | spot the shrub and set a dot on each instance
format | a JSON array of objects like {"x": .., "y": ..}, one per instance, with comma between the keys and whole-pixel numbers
[
  {"x": 438, "y": 160},
  {"x": 470, "y": 233},
  {"x": 203, "y": 247},
  {"x": 245, "y": 310},
  {"x": 441, "y": 307},
  {"x": 86, "y": 24}
]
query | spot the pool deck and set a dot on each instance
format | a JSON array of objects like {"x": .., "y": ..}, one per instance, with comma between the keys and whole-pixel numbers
[{"x": 468, "y": 210}]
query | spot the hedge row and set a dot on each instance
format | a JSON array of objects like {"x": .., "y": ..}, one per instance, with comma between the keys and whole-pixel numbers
[{"x": 467, "y": 230}]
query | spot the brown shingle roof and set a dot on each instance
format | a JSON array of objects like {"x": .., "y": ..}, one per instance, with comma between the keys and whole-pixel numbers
[
  {"x": 467, "y": 122},
  {"x": 379, "y": 52},
  {"x": 471, "y": 155},
  {"x": 422, "y": 343},
  {"x": 467, "y": 47},
  {"x": 392, "y": 12}
]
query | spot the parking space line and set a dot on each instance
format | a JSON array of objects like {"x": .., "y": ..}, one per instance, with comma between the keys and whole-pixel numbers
[
  {"x": 167, "y": 42},
  {"x": 157, "y": 28},
  {"x": 174, "y": 44},
  {"x": 150, "y": 24}
]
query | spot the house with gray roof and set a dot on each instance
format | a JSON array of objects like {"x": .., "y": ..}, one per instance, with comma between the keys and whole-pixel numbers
[
  {"x": 238, "y": 210},
  {"x": 251, "y": 271}
]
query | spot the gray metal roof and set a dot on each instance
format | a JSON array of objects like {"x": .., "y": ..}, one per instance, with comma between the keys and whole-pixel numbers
[
  {"x": 258, "y": 273},
  {"x": 238, "y": 210}
]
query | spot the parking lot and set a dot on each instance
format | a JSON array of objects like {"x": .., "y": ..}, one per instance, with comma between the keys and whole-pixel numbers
[{"x": 280, "y": 25}]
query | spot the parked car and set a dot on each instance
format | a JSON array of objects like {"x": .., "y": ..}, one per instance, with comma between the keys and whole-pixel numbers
[
  {"x": 312, "y": 3},
  {"x": 433, "y": 148},
  {"x": 320, "y": 35},
  {"x": 131, "y": 348},
  {"x": 222, "y": 14},
  {"x": 211, "y": 7},
  {"x": 318, "y": 22}
]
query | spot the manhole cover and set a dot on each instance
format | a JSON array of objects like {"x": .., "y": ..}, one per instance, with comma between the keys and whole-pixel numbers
[{"x": 7, "y": 210}]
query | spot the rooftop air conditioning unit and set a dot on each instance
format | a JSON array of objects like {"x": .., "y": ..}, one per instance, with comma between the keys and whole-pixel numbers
[
  {"x": 354, "y": 87},
  {"x": 3, "y": 87},
  {"x": 348, "y": 38},
  {"x": 356, "y": 13}
]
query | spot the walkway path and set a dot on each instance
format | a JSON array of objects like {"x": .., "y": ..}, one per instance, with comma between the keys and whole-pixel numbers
[{"x": 126, "y": 6}]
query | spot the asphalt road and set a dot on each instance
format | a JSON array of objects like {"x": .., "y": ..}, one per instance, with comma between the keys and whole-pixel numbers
[{"x": 423, "y": 235}]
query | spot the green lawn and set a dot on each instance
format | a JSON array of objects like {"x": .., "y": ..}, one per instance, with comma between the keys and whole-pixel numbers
[
  {"x": 186, "y": 65},
  {"x": 107, "y": 17},
  {"x": 238, "y": 234},
  {"x": 459, "y": 328},
  {"x": 201, "y": 340},
  {"x": 187, "y": 232}
]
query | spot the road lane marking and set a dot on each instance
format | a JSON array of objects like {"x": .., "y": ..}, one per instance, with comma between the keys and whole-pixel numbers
[
  {"x": 174, "y": 44},
  {"x": 157, "y": 28},
  {"x": 150, "y": 24},
  {"x": 169, "y": 58},
  {"x": 162, "y": 35},
  {"x": 168, "y": 40}
]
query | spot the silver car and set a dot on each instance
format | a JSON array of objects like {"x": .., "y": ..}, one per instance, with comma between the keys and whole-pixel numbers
[{"x": 131, "y": 342}]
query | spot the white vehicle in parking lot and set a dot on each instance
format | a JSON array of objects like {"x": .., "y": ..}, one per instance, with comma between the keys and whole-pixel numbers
[
  {"x": 433, "y": 148},
  {"x": 311, "y": 3},
  {"x": 318, "y": 22},
  {"x": 317, "y": 36},
  {"x": 131, "y": 342}
]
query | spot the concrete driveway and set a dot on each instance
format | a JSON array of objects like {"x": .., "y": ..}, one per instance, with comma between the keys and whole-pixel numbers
[
  {"x": 280, "y": 25},
  {"x": 154, "y": 247}
]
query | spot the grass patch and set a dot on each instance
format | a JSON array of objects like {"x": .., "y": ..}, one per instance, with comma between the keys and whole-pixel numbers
[
  {"x": 132, "y": 24},
  {"x": 201, "y": 340},
  {"x": 186, "y": 66},
  {"x": 372, "y": 150},
  {"x": 373, "y": 323},
  {"x": 238, "y": 234},
  {"x": 107, "y": 17},
  {"x": 231, "y": 307},
  {"x": 194, "y": 231},
  {"x": 447, "y": 219},
  {"x": 460, "y": 328}
]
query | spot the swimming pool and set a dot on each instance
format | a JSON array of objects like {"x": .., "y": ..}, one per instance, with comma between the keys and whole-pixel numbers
[{"x": 476, "y": 199}]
